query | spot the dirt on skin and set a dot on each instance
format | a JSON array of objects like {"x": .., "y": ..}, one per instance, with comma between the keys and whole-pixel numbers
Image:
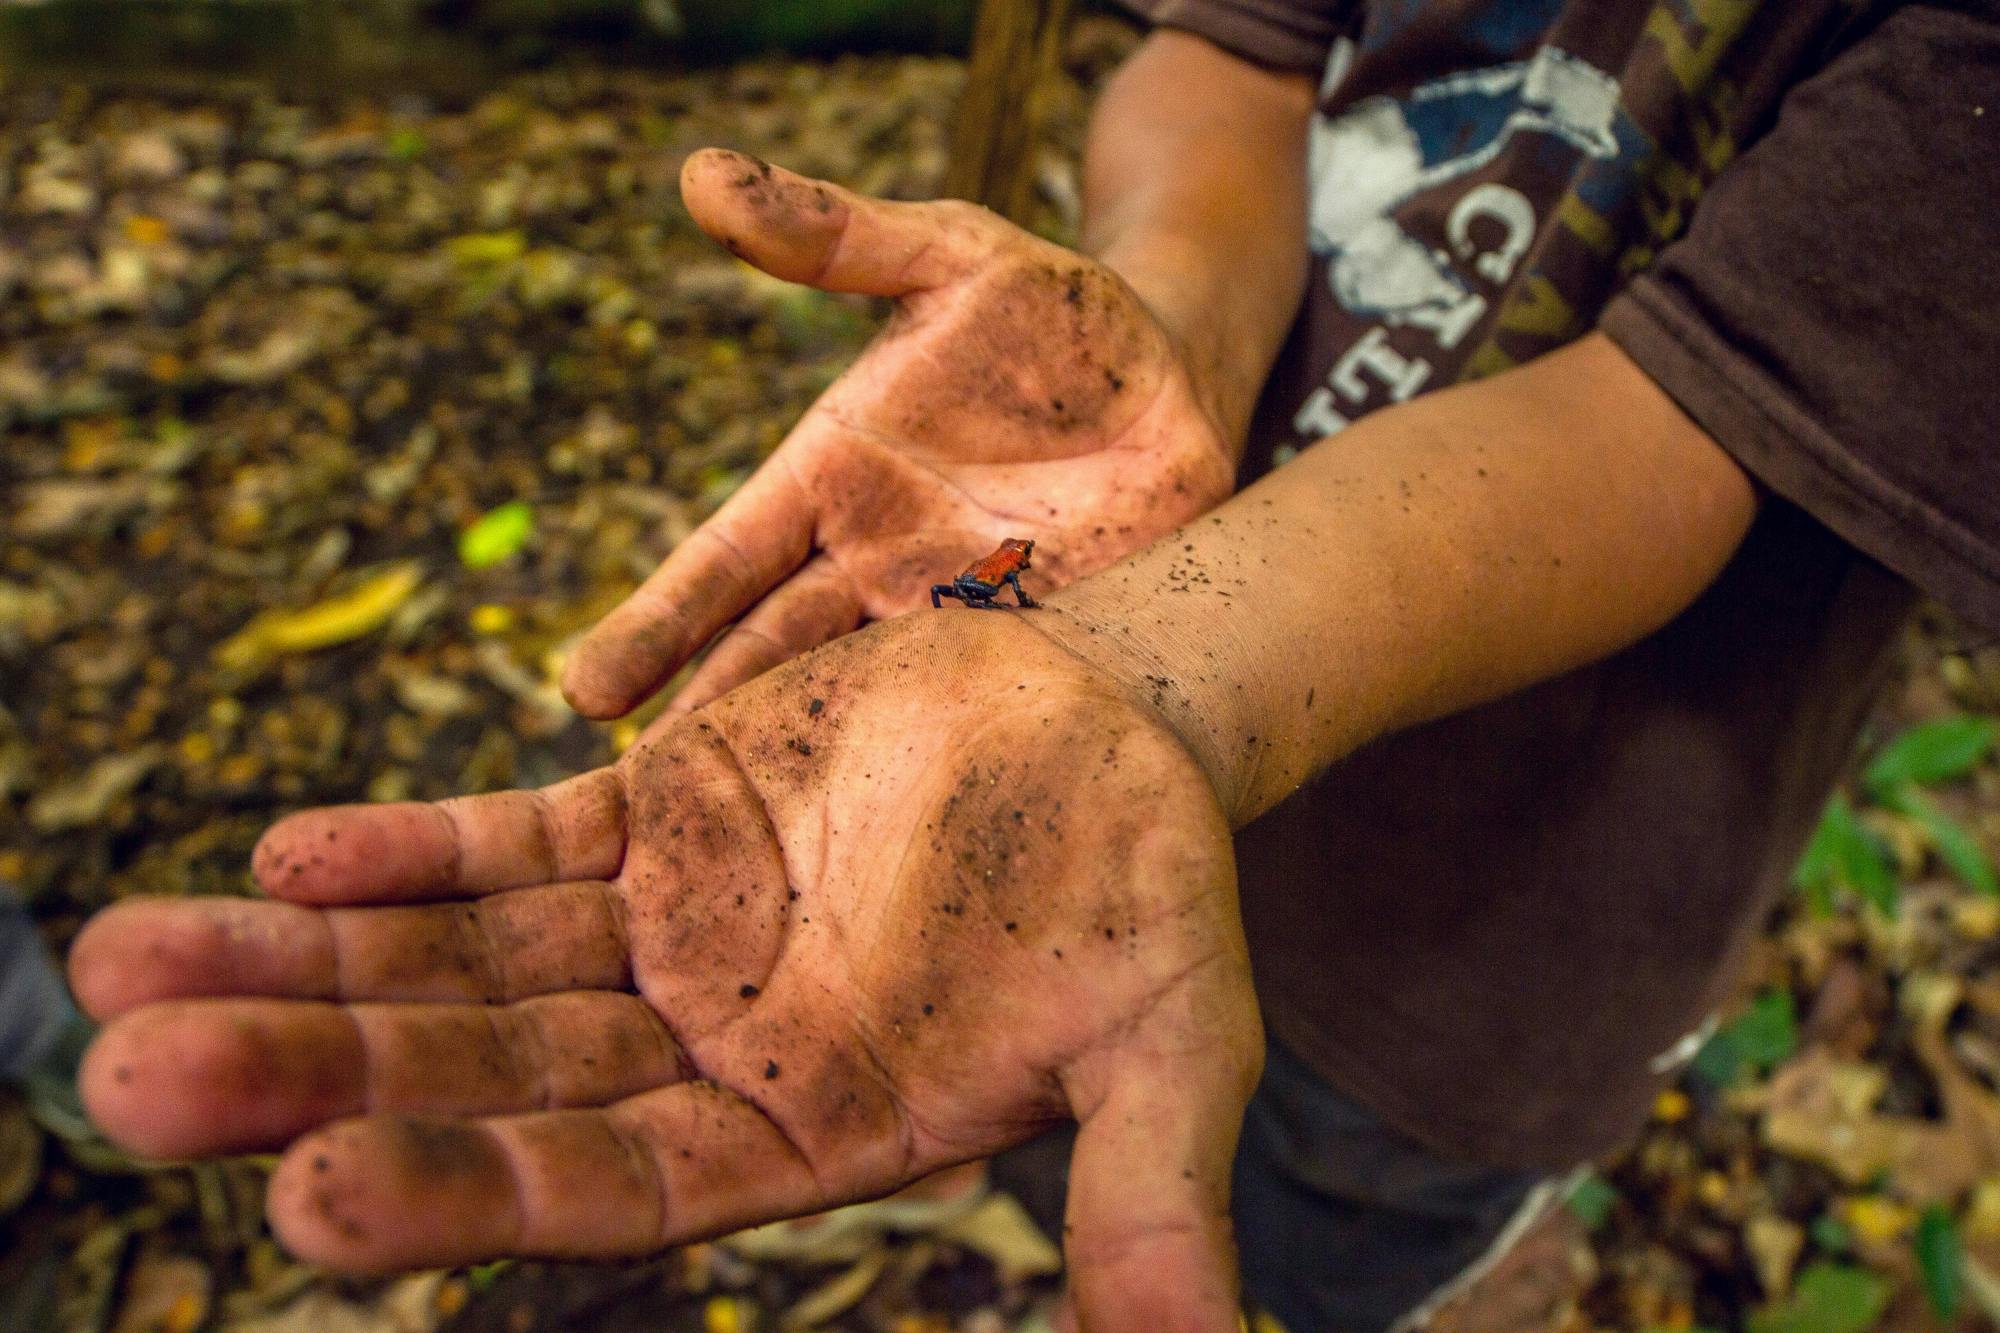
[{"x": 254, "y": 352}]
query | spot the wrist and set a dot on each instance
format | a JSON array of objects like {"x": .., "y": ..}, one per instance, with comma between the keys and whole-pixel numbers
[
  {"x": 1149, "y": 660},
  {"x": 1198, "y": 311}
]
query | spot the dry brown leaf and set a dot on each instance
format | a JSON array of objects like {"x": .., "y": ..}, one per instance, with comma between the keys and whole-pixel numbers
[
  {"x": 1822, "y": 1108},
  {"x": 1001, "y": 1229},
  {"x": 166, "y": 1293},
  {"x": 409, "y": 1305},
  {"x": 1774, "y": 1243},
  {"x": 85, "y": 798},
  {"x": 20, "y": 1154},
  {"x": 836, "y": 1297}
]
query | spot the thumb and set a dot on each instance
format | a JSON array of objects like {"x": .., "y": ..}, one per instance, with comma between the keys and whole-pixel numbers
[
  {"x": 1147, "y": 1235},
  {"x": 804, "y": 230}
]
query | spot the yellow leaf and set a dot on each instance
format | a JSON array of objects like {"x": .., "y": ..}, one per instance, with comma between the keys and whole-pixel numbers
[
  {"x": 1671, "y": 1106},
  {"x": 185, "y": 1314},
  {"x": 1875, "y": 1218},
  {"x": 1982, "y": 1214},
  {"x": 451, "y": 1297},
  {"x": 1975, "y": 919},
  {"x": 723, "y": 1315},
  {"x": 491, "y": 619},
  {"x": 486, "y": 249},
  {"x": 145, "y": 229},
  {"x": 360, "y": 611}
]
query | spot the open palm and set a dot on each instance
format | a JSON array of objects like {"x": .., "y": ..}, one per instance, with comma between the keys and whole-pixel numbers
[
  {"x": 1020, "y": 390},
  {"x": 897, "y": 905}
]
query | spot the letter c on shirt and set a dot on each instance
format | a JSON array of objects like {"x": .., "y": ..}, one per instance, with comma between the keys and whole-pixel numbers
[{"x": 1505, "y": 205}]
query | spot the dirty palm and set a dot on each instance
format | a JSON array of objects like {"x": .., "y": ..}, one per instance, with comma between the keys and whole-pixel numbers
[
  {"x": 770, "y": 961},
  {"x": 1019, "y": 390},
  {"x": 794, "y": 948}
]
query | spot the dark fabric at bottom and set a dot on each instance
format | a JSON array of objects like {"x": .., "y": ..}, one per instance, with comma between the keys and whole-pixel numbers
[{"x": 1344, "y": 1225}]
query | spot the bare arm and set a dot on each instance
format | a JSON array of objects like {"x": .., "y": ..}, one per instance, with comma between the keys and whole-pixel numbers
[
  {"x": 1195, "y": 193},
  {"x": 1441, "y": 553},
  {"x": 1438, "y": 555}
]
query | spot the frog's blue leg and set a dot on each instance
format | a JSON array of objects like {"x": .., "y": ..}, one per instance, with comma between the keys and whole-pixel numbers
[
  {"x": 941, "y": 590},
  {"x": 1014, "y": 582}
]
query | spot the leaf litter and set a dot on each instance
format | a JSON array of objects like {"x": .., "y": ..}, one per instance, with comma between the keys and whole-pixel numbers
[{"x": 329, "y": 424}]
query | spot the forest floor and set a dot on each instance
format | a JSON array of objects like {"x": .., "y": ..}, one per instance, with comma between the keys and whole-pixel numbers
[{"x": 261, "y": 356}]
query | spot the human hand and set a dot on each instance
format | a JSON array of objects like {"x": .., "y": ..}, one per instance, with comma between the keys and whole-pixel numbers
[
  {"x": 1020, "y": 390},
  {"x": 899, "y": 904}
]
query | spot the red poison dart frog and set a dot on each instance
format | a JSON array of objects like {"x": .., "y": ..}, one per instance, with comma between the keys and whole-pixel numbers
[{"x": 980, "y": 583}]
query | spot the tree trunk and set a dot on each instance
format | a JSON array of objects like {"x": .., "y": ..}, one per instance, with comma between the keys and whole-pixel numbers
[{"x": 1014, "y": 49}]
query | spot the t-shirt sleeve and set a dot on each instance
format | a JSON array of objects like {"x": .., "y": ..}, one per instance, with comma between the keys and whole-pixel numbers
[
  {"x": 1832, "y": 315},
  {"x": 1269, "y": 32}
]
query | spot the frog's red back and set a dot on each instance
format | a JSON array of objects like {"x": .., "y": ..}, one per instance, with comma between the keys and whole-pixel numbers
[{"x": 1011, "y": 558}]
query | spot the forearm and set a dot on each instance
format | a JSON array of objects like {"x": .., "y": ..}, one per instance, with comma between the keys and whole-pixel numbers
[
  {"x": 1194, "y": 192},
  {"x": 1439, "y": 554}
]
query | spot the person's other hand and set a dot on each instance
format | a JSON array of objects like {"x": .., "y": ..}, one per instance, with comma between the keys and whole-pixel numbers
[
  {"x": 900, "y": 904},
  {"x": 1020, "y": 390}
]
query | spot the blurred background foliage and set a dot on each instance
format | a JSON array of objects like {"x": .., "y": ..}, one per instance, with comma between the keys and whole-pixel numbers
[{"x": 449, "y": 40}]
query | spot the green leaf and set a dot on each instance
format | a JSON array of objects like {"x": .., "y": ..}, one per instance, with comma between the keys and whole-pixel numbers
[
  {"x": 1762, "y": 1037},
  {"x": 480, "y": 250},
  {"x": 812, "y": 321},
  {"x": 1814, "y": 874},
  {"x": 1768, "y": 1032},
  {"x": 1842, "y": 854},
  {"x": 1938, "y": 1258},
  {"x": 1956, "y": 846},
  {"x": 1829, "y": 1298},
  {"x": 482, "y": 1276},
  {"x": 1831, "y": 1234},
  {"x": 1932, "y": 752},
  {"x": 1591, "y": 1200},
  {"x": 497, "y": 535},
  {"x": 407, "y": 144}
]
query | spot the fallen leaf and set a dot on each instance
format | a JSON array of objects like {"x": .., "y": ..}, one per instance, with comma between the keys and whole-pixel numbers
[
  {"x": 497, "y": 535},
  {"x": 1877, "y": 1219},
  {"x": 1831, "y": 1298},
  {"x": 1939, "y": 1259},
  {"x": 91, "y": 1276},
  {"x": 1822, "y": 1109},
  {"x": 1843, "y": 853},
  {"x": 81, "y": 506},
  {"x": 350, "y": 615},
  {"x": 1000, "y": 1228},
  {"x": 1984, "y": 1288},
  {"x": 1763, "y": 1036},
  {"x": 409, "y": 1305},
  {"x": 1932, "y": 752},
  {"x": 1591, "y": 1199},
  {"x": 846, "y": 1234},
  {"x": 164, "y": 1294},
  {"x": 1775, "y": 1244},
  {"x": 725, "y": 1314},
  {"x": 84, "y": 799},
  {"x": 20, "y": 1155},
  {"x": 835, "y": 1297}
]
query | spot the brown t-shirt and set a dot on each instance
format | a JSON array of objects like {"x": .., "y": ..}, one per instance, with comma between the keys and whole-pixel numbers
[{"x": 1493, "y": 928}]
